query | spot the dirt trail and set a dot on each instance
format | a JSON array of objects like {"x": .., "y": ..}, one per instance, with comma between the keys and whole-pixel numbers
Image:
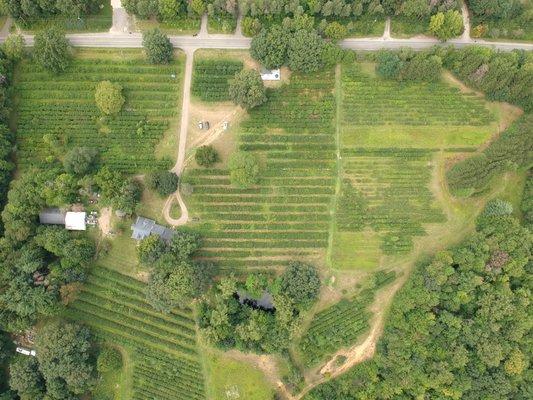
[{"x": 104, "y": 220}]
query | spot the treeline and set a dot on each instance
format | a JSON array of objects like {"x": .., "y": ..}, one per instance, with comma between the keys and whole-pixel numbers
[
  {"x": 26, "y": 11},
  {"x": 168, "y": 10},
  {"x": 512, "y": 150},
  {"x": 502, "y": 76},
  {"x": 460, "y": 328},
  {"x": 510, "y": 18},
  {"x": 409, "y": 65}
]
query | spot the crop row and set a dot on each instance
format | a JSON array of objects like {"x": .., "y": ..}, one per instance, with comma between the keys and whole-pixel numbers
[{"x": 211, "y": 78}]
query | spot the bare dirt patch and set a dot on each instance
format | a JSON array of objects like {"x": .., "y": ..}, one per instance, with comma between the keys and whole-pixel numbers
[{"x": 104, "y": 220}]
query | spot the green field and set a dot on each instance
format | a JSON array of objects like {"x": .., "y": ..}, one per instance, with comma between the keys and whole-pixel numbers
[
  {"x": 56, "y": 113},
  {"x": 391, "y": 138},
  {"x": 163, "y": 348},
  {"x": 287, "y": 215},
  {"x": 210, "y": 80}
]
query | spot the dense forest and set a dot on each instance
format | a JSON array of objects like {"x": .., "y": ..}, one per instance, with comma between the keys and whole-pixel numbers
[{"x": 460, "y": 328}]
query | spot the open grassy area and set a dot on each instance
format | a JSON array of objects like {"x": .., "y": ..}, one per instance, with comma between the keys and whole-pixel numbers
[
  {"x": 287, "y": 214},
  {"x": 56, "y": 113},
  {"x": 98, "y": 22},
  {"x": 231, "y": 379},
  {"x": 166, "y": 363}
]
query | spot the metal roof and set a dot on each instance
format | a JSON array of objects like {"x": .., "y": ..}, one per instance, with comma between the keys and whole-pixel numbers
[
  {"x": 144, "y": 227},
  {"x": 52, "y": 216}
]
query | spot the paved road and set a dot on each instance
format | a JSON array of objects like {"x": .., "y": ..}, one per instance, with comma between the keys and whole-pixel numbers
[{"x": 134, "y": 40}]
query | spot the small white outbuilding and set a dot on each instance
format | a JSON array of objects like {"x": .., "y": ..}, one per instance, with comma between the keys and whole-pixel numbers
[
  {"x": 75, "y": 221},
  {"x": 270, "y": 74}
]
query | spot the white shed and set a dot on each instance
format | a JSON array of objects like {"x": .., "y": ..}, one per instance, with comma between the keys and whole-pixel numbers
[
  {"x": 75, "y": 221},
  {"x": 270, "y": 74}
]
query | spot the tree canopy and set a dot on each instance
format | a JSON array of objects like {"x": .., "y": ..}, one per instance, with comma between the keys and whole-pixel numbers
[
  {"x": 270, "y": 47},
  {"x": 247, "y": 89},
  {"x": 459, "y": 328},
  {"x": 109, "y": 98},
  {"x": 206, "y": 156},
  {"x": 446, "y": 25},
  {"x": 157, "y": 47},
  {"x": 51, "y": 50}
]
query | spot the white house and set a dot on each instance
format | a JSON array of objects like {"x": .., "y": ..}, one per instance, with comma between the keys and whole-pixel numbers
[{"x": 73, "y": 221}]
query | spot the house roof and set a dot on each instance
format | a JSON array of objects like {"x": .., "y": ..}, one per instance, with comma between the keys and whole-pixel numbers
[
  {"x": 144, "y": 227},
  {"x": 270, "y": 74},
  {"x": 75, "y": 221},
  {"x": 52, "y": 216}
]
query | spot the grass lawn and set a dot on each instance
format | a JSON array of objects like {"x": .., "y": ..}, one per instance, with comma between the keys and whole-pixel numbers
[
  {"x": 99, "y": 22},
  {"x": 179, "y": 26},
  {"x": 151, "y": 206},
  {"x": 221, "y": 24},
  {"x": 116, "y": 385},
  {"x": 229, "y": 379},
  {"x": 402, "y": 27},
  {"x": 356, "y": 250}
]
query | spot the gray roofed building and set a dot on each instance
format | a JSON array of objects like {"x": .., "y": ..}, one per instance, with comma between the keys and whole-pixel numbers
[
  {"x": 144, "y": 227},
  {"x": 52, "y": 216}
]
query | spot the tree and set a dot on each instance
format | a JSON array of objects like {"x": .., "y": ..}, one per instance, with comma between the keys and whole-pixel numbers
[
  {"x": 14, "y": 47},
  {"x": 388, "y": 64},
  {"x": 25, "y": 378},
  {"x": 109, "y": 98},
  {"x": 305, "y": 51},
  {"x": 251, "y": 26},
  {"x": 335, "y": 31},
  {"x": 183, "y": 244},
  {"x": 270, "y": 47},
  {"x": 198, "y": 7},
  {"x": 157, "y": 47},
  {"x": 150, "y": 249},
  {"x": 244, "y": 169},
  {"x": 247, "y": 89},
  {"x": 164, "y": 182},
  {"x": 169, "y": 9},
  {"x": 80, "y": 160},
  {"x": 446, "y": 25},
  {"x": 497, "y": 207},
  {"x": 109, "y": 359},
  {"x": 301, "y": 283},
  {"x": 63, "y": 352},
  {"x": 52, "y": 50},
  {"x": 206, "y": 156}
]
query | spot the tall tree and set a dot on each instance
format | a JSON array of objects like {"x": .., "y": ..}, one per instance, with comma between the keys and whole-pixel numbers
[{"x": 52, "y": 50}]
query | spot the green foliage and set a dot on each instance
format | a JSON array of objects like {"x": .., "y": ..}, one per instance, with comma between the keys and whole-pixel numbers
[
  {"x": 164, "y": 182},
  {"x": 26, "y": 379},
  {"x": 206, "y": 156},
  {"x": 150, "y": 249},
  {"x": 444, "y": 317},
  {"x": 243, "y": 169},
  {"x": 63, "y": 352},
  {"x": 80, "y": 160},
  {"x": 510, "y": 151},
  {"x": 157, "y": 47},
  {"x": 109, "y": 359},
  {"x": 66, "y": 104},
  {"x": 162, "y": 347},
  {"x": 446, "y": 25},
  {"x": 503, "y": 76},
  {"x": 526, "y": 206},
  {"x": 247, "y": 89},
  {"x": 251, "y": 26},
  {"x": 109, "y": 98},
  {"x": 51, "y": 50},
  {"x": 121, "y": 192},
  {"x": 300, "y": 283},
  {"x": 497, "y": 207},
  {"x": 409, "y": 66},
  {"x": 335, "y": 31},
  {"x": 211, "y": 78},
  {"x": 269, "y": 48},
  {"x": 304, "y": 53},
  {"x": 14, "y": 47}
]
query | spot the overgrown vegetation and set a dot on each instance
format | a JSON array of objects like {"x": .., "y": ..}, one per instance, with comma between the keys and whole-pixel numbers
[
  {"x": 458, "y": 328},
  {"x": 57, "y": 113},
  {"x": 512, "y": 150},
  {"x": 501, "y": 19}
]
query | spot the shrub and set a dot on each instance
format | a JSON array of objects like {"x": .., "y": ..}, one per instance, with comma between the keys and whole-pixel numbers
[
  {"x": 14, "y": 47},
  {"x": 250, "y": 26},
  {"x": 497, "y": 207},
  {"x": 206, "y": 156},
  {"x": 244, "y": 169},
  {"x": 335, "y": 31},
  {"x": 157, "y": 47},
  {"x": 79, "y": 160},
  {"x": 108, "y": 360},
  {"x": 446, "y": 25},
  {"x": 247, "y": 89},
  {"x": 52, "y": 50},
  {"x": 109, "y": 97},
  {"x": 164, "y": 182}
]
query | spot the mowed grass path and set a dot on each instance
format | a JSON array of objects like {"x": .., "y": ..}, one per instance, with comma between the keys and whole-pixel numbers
[
  {"x": 56, "y": 113},
  {"x": 163, "y": 346},
  {"x": 287, "y": 214},
  {"x": 389, "y": 135}
]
